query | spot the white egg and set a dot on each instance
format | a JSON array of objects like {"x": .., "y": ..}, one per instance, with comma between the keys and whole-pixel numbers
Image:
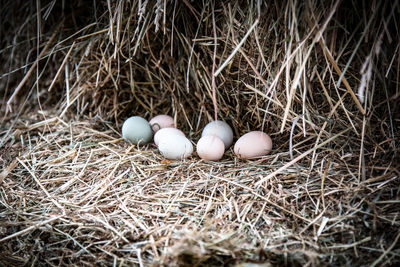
[
  {"x": 210, "y": 147},
  {"x": 165, "y": 132},
  {"x": 253, "y": 145},
  {"x": 136, "y": 130},
  {"x": 220, "y": 129},
  {"x": 162, "y": 121},
  {"x": 175, "y": 146}
]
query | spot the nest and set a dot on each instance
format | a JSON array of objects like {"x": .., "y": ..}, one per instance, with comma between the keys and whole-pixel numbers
[{"x": 321, "y": 78}]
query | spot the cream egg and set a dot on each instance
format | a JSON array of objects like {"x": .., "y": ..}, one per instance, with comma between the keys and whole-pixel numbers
[
  {"x": 221, "y": 129},
  {"x": 136, "y": 130},
  {"x": 165, "y": 132},
  {"x": 210, "y": 147},
  {"x": 162, "y": 121},
  {"x": 253, "y": 145},
  {"x": 175, "y": 146}
]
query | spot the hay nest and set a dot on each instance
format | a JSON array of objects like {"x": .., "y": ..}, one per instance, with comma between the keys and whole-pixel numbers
[{"x": 322, "y": 78}]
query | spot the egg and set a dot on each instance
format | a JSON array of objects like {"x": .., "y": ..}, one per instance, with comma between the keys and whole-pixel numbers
[
  {"x": 175, "y": 146},
  {"x": 210, "y": 147},
  {"x": 162, "y": 121},
  {"x": 253, "y": 145},
  {"x": 165, "y": 132},
  {"x": 220, "y": 129},
  {"x": 136, "y": 130}
]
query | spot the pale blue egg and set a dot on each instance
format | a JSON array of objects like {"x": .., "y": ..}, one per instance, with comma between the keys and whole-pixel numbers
[
  {"x": 137, "y": 130},
  {"x": 221, "y": 129}
]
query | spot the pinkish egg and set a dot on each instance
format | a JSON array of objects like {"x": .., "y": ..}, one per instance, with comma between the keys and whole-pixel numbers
[
  {"x": 254, "y": 144},
  {"x": 161, "y": 121},
  {"x": 210, "y": 147}
]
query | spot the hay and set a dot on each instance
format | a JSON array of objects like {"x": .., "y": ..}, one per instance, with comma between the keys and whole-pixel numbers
[{"x": 321, "y": 78}]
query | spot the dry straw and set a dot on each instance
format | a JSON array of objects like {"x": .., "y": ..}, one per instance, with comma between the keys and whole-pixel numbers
[{"x": 321, "y": 77}]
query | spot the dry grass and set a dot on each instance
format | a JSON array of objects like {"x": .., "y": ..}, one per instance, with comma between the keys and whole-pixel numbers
[{"x": 321, "y": 78}]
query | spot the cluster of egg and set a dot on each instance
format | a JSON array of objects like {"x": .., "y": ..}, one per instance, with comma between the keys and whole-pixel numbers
[{"x": 216, "y": 137}]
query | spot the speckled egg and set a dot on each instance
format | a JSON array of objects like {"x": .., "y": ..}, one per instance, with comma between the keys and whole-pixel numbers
[
  {"x": 210, "y": 147},
  {"x": 136, "y": 130},
  {"x": 175, "y": 147},
  {"x": 162, "y": 121},
  {"x": 253, "y": 145},
  {"x": 220, "y": 129},
  {"x": 165, "y": 132}
]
